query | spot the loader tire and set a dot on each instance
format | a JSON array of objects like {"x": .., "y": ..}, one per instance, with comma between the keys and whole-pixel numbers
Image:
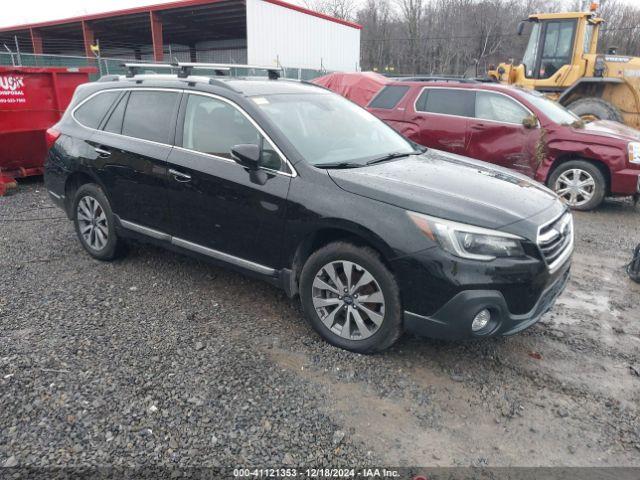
[{"x": 592, "y": 108}]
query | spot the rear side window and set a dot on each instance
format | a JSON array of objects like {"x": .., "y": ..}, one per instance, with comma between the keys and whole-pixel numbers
[
  {"x": 389, "y": 97},
  {"x": 447, "y": 101},
  {"x": 91, "y": 112},
  {"x": 114, "y": 124},
  {"x": 149, "y": 115}
]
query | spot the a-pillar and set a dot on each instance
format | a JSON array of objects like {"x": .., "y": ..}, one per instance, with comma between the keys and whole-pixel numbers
[
  {"x": 156, "y": 36},
  {"x": 36, "y": 41},
  {"x": 89, "y": 38}
]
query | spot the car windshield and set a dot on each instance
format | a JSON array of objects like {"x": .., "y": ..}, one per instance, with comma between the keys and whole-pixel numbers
[
  {"x": 552, "y": 110},
  {"x": 328, "y": 129}
]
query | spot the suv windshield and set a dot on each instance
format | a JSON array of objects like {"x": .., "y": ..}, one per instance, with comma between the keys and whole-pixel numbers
[
  {"x": 328, "y": 129},
  {"x": 552, "y": 110}
]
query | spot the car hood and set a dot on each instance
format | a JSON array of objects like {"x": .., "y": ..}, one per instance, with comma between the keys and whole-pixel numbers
[
  {"x": 456, "y": 188},
  {"x": 607, "y": 128}
]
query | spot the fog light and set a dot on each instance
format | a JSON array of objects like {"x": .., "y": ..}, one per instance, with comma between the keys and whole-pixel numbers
[{"x": 481, "y": 320}]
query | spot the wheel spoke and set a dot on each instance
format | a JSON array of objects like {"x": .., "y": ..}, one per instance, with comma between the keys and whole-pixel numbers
[
  {"x": 362, "y": 328},
  {"x": 330, "y": 319},
  {"x": 373, "y": 316},
  {"x": 322, "y": 285},
  {"x": 326, "y": 302},
  {"x": 365, "y": 279},
  {"x": 348, "y": 268},
  {"x": 346, "y": 328},
  {"x": 375, "y": 297},
  {"x": 101, "y": 238},
  {"x": 83, "y": 216},
  {"x": 585, "y": 194},
  {"x": 333, "y": 276},
  {"x": 573, "y": 197},
  {"x": 85, "y": 209}
]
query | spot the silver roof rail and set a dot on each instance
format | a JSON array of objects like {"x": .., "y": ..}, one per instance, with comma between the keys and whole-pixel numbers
[
  {"x": 134, "y": 68},
  {"x": 185, "y": 68}
]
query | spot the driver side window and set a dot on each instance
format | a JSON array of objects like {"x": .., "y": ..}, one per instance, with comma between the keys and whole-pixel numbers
[
  {"x": 492, "y": 106},
  {"x": 214, "y": 127},
  {"x": 558, "y": 47}
]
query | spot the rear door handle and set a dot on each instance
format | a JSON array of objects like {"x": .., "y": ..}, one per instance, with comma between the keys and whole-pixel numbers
[
  {"x": 179, "y": 176},
  {"x": 102, "y": 152}
]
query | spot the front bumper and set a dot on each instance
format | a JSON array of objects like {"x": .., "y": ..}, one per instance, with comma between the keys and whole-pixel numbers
[
  {"x": 453, "y": 320},
  {"x": 625, "y": 182}
]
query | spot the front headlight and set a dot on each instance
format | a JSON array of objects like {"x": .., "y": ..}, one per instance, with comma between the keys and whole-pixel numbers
[
  {"x": 468, "y": 241},
  {"x": 634, "y": 152}
]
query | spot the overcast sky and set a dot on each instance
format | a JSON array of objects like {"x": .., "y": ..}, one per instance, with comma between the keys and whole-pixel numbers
[{"x": 31, "y": 11}]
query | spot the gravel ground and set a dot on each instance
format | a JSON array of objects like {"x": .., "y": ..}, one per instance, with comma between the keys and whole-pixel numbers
[{"x": 158, "y": 359}]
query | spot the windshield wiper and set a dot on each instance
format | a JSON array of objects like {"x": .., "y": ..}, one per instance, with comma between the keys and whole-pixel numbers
[
  {"x": 393, "y": 156},
  {"x": 340, "y": 165}
]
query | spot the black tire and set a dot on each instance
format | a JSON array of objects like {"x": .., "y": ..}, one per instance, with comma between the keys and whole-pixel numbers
[
  {"x": 113, "y": 247},
  {"x": 596, "y": 109},
  {"x": 600, "y": 183},
  {"x": 389, "y": 329}
]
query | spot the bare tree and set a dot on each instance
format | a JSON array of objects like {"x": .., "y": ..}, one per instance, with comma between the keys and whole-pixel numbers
[
  {"x": 452, "y": 36},
  {"x": 344, "y": 9}
]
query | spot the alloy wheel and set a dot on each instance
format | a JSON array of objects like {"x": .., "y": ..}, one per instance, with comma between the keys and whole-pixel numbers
[
  {"x": 92, "y": 223},
  {"x": 348, "y": 300},
  {"x": 575, "y": 186}
]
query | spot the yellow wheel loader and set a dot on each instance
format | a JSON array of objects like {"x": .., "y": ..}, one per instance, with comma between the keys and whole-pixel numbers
[{"x": 561, "y": 61}]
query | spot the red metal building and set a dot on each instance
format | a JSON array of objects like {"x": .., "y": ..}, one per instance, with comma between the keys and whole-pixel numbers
[{"x": 228, "y": 31}]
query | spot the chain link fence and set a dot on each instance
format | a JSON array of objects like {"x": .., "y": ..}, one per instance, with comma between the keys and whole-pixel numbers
[{"x": 114, "y": 66}]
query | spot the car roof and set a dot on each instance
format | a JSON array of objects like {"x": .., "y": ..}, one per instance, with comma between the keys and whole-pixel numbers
[
  {"x": 511, "y": 90},
  {"x": 454, "y": 84}
]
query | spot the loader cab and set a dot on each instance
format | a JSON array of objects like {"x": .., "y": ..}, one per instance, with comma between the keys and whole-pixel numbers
[{"x": 558, "y": 44}]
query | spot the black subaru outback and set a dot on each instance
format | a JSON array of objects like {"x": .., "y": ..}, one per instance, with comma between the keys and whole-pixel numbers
[{"x": 298, "y": 186}]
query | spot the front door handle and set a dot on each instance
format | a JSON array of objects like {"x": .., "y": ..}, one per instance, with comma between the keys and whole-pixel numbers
[
  {"x": 179, "y": 176},
  {"x": 102, "y": 152}
]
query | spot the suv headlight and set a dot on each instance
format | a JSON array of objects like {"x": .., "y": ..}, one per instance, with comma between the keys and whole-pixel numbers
[
  {"x": 468, "y": 241},
  {"x": 634, "y": 152}
]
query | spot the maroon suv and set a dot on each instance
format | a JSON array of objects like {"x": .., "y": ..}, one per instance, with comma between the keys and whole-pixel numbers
[{"x": 518, "y": 129}]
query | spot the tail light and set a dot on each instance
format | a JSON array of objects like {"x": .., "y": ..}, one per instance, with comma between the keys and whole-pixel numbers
[{"x": 51, "y": 137}]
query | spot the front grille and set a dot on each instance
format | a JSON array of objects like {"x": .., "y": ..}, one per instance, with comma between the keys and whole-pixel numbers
[{"x": 555, "y": 240}]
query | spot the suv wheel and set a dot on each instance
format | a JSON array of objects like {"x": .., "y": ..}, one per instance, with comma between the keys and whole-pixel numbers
[
  {"x": 351, "y": 298},
  {"x": 579, "y": 183},
  {"x": 94, "y": 223}
]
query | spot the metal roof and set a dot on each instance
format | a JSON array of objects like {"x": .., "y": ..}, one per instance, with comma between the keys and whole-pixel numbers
[{"x": 185, "y": 14}]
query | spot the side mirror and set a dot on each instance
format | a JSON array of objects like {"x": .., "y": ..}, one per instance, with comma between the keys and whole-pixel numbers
[
  {"x": 520, "y": 28},
  {"x": 530, "y": 122},
  {"x": 247, "y": 155}
]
